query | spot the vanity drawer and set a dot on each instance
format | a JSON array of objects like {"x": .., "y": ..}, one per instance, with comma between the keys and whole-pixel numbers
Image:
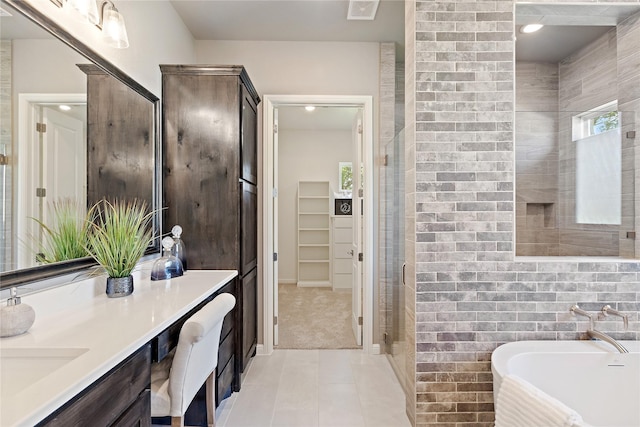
[
  {"x": 137, "y": 415},
  {"x": 106, "y": 400},
  {"x": 226, "y": 350},
  {"x": 227, "y": 325},
  {"x": 224, "y": 380}
]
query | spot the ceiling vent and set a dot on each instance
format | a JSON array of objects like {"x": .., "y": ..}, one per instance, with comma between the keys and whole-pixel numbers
[{"x": 362, "y": 10}]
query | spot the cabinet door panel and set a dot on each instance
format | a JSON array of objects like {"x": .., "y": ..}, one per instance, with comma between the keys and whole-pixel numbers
[
  {"x": 200, "y": 146},
  {"x": 342, "y": 266},
  {"x": 343, "y": 222},
  {"x": 342, "y": 281},
  {"x": 249, "y": 145},
  {"x": 248, "y": 228},
  {"x": 249, "y": 316},
  {"x": 342, "y": 250},
  {"x": 342, "y": 235}
]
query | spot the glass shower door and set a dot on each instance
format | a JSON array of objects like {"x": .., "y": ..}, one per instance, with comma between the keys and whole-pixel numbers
[{"x": 392, "y": 250}]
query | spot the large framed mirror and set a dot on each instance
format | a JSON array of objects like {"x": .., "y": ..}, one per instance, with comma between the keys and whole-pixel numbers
[{"x": 74, "y": 128}]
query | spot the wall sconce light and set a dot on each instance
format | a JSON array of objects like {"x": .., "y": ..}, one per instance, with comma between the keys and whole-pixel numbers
[
  {"x": 114, "y": 31},
  {"x": 87, "y": 9},
  {"x": 104, "y": 15}
]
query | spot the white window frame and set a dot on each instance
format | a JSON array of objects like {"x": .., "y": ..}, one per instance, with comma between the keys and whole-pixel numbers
[{"x": 582, "y": 124}]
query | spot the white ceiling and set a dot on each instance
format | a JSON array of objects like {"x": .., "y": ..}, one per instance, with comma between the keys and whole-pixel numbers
[
  {"x": 294, "y": 20},
  {"x": 568, "y": 27},
  {"x": 17, "y": 26},
  {"x": 287, "y": 20}
]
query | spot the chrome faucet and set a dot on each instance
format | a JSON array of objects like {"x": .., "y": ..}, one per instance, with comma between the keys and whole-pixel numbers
[
  {"x": 607, "y": 310},
  {"x": 575, "y": 310},
  {"x": 595, "y": 334}
]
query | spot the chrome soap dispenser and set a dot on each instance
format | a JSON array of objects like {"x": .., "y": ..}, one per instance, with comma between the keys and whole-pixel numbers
[{"x": 15, "y": 318}]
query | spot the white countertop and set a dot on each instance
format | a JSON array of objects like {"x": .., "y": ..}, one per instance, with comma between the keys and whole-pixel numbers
[{"x": 107, "y": 330}]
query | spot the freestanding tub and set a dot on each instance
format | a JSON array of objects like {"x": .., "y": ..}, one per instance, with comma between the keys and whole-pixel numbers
[{"x": 591, "y": 377}]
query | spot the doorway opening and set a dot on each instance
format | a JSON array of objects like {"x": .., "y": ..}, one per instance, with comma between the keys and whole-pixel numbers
[
  {"x": 307, "y": 255},
  {"x": 51, "y": 161}
]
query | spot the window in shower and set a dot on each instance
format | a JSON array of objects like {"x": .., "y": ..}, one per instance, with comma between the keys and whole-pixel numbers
[{"x": 596, "y": 134}]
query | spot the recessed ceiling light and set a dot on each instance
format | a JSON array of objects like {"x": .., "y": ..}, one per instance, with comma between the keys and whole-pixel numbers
[
  {"x": 64, "y": 107},
  {"x": 531, "y": 28},
  {"x": 309, "y": 108}
]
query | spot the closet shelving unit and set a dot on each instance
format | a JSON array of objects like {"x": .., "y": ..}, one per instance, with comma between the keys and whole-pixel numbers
[{"x": 314, "y": 244}]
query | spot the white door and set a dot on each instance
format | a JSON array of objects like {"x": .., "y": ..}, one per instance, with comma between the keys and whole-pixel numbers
[
  {"x": 64, "y": 157},
  {"x": 62, "y": 163},
  {"x": 31, "y": 161},
  {"x": 275, "y": 225},
  {"x": 357, "y": 247}
]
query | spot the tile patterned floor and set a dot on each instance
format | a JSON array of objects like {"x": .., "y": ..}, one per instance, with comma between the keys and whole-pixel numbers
[{"x": 316, "y": 388}]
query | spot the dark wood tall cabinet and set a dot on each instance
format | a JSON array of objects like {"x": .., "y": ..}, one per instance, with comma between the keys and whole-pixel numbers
[{"x": 210, "y": 177}]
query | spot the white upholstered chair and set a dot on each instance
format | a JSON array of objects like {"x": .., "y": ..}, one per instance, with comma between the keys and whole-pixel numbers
[{"x": 176, "y": 380}]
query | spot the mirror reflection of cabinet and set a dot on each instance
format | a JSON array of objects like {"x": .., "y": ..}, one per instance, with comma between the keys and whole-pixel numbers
[{"x": 120, "y": 132}]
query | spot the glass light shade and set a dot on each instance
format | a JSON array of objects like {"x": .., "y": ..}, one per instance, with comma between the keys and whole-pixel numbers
[
  {"x": 86, "y": 8},
  {"x": 114, "y": 31}
]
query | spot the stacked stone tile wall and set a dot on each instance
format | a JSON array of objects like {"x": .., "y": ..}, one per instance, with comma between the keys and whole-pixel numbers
[
  {"x": 410, "y": 211},
  {"x": 471, "y": 293}
]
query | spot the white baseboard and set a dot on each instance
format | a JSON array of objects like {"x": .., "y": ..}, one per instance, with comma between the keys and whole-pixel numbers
[
  {"x": 260, "y": 350},
  {"x": 287, "y": 281},
  {"x": 375, "y": 349},
  {"x": 314, "y": 284}
]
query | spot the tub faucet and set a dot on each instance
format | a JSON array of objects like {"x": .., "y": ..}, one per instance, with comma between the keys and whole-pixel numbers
[
  {"x": 575, "y": 310},
  {"x": 607, "y": 310},
  {"x": 594, "y": 334}
]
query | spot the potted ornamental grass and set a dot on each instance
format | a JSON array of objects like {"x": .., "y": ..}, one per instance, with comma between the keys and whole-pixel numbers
[
  {"x": 66, "y": 235},
  {"x": 119, "y": 234}
]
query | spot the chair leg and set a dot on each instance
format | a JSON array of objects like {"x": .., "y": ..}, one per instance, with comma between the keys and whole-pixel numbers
[
  {"x": 211, "y": 399},
  {"x": 177, "y": 421}
]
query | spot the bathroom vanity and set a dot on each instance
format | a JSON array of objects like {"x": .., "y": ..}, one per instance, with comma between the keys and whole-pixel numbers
[{"x": 87, "y": 358}]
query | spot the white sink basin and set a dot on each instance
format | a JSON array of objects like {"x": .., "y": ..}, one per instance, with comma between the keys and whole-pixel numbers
[{"x": 22, "y": 367}]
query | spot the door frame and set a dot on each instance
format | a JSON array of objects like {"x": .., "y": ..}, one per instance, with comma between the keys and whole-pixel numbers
[
  {"x": 26, "y": 154},
  {"x": 269, "y": 103}
]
